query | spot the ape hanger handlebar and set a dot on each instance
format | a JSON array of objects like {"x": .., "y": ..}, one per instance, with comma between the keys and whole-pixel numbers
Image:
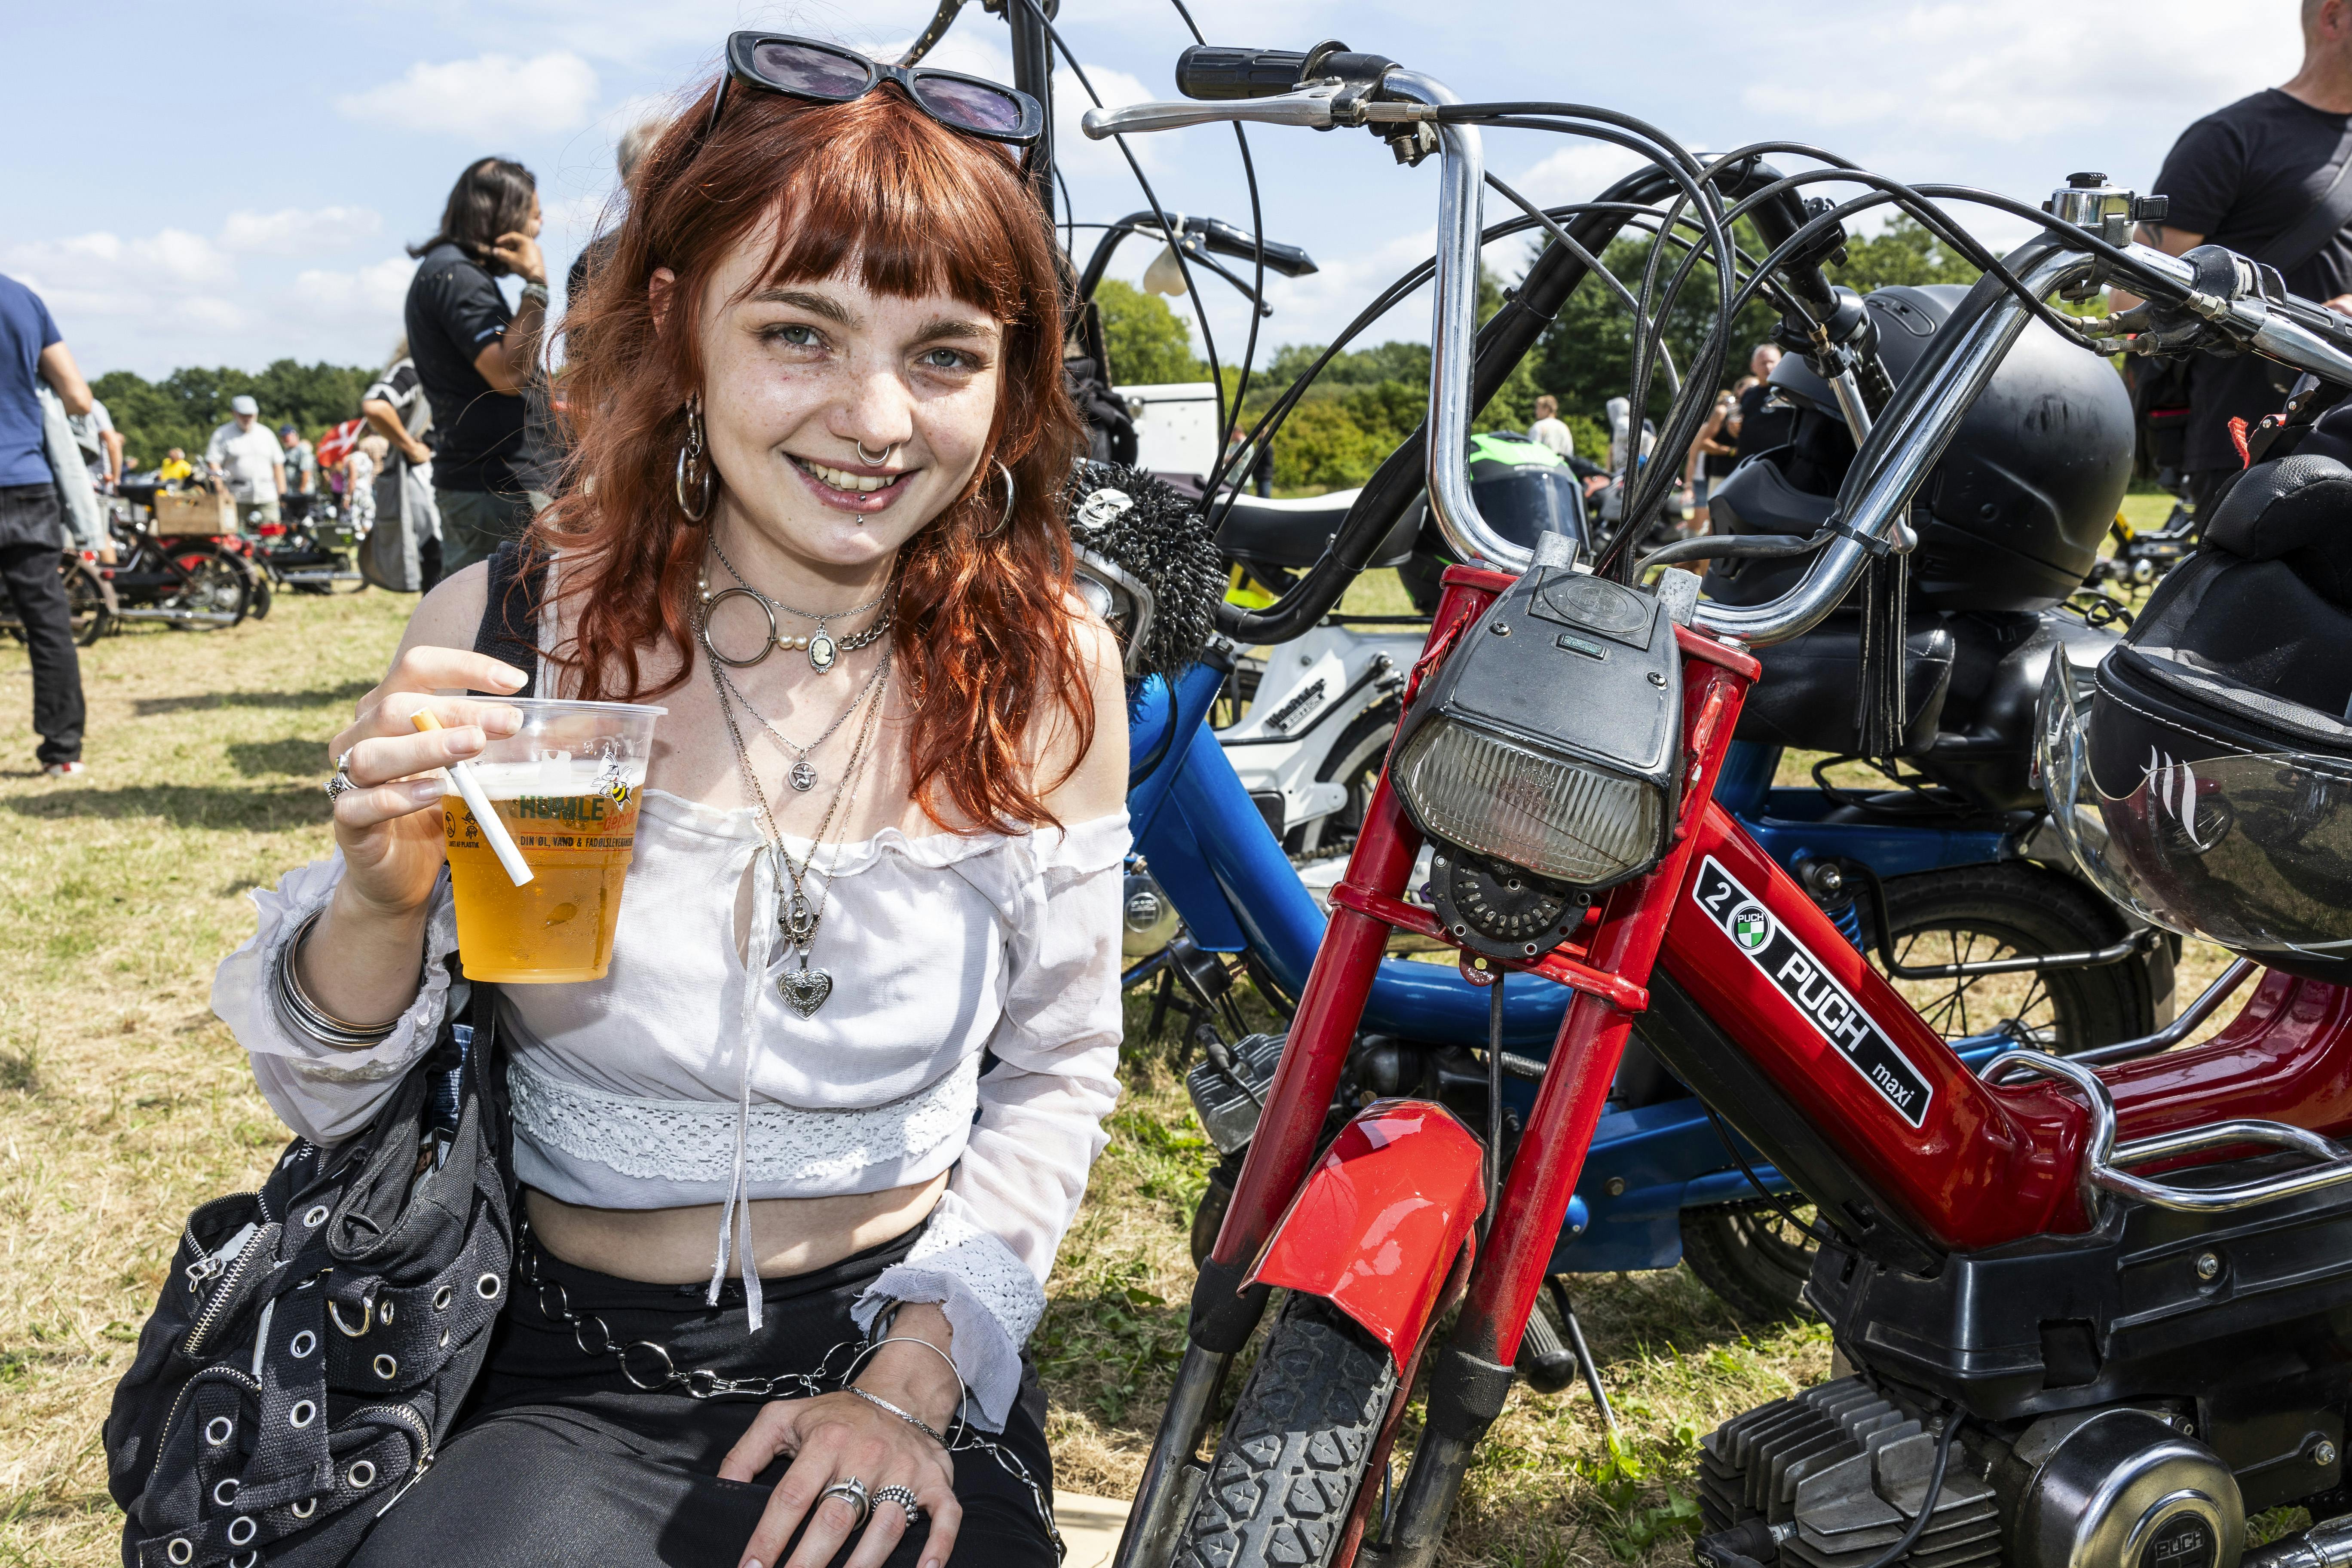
[{"x": 1327, "y": 87}]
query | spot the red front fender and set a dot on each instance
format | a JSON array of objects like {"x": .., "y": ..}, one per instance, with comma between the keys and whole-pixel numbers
[{"x": 1381, "y": 1219}]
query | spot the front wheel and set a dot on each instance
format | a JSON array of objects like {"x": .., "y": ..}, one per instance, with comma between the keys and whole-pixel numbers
[{"x": 1297, "y": 1450}]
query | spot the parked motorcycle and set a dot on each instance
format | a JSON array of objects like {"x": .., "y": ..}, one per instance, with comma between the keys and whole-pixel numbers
[
  {"x": 2135, "y": 1365},
  {"x": 190, "y": 582}
]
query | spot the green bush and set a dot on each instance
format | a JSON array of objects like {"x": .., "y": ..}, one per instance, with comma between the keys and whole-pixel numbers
[
  {"x": 185, "y": 408},
  {"x": 1148, "y": 342}
]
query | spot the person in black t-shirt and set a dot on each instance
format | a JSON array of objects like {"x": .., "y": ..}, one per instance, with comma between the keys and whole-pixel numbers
[
  {"x": 2246, "y": 176},
  {"x": 479, "y": 359}
]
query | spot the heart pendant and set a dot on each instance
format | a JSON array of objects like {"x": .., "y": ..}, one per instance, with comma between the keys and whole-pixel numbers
[{"x": 805, "y": 990}]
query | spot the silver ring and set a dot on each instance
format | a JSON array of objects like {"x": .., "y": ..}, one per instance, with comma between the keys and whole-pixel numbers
[
  {"x": 854, "y": 1490},
  {"x": 342, "y": 783},
  {"x": 869, "y": 460},
  {"x": 905, "y": 1497}
]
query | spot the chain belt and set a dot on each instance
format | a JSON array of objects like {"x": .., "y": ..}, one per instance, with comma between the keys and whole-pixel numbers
[{"x": 650, "y": 1369}]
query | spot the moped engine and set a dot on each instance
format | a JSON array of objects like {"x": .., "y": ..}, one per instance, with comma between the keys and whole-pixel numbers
[{"x": 1838, "y": 1476}]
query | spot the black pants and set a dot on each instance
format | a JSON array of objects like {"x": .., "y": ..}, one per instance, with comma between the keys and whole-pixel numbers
[
  {"x": 561, "y": 1464},
  {"x": 29, "y": 572}
]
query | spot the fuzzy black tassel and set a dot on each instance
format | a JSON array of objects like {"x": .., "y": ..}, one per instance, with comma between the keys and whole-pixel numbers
[{"x": 1157, "y": 535}]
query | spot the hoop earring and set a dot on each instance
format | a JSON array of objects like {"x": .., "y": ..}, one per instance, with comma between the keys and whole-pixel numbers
[
  {"x": 1005, "y": 521},
  {"x": 690, "y": 457}
]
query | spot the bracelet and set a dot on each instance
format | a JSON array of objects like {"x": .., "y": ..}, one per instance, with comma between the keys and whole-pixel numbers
[
  {"x": 917, "y": 1422},
  {"x": 535, "y": 291},
  {"x": 314, "y": 1020}
]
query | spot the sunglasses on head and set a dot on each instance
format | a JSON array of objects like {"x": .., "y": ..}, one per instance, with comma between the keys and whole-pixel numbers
[{"x": 828, "y": 73}]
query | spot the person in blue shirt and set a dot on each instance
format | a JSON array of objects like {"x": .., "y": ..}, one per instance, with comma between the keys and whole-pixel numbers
[{"x": 32, "y": 519}]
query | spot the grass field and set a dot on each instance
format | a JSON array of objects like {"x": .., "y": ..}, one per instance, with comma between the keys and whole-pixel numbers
[{"x": 124, "y": 1103}]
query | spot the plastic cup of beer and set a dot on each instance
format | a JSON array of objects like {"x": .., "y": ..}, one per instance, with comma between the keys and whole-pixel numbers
[{"x": 566, "y": 787}]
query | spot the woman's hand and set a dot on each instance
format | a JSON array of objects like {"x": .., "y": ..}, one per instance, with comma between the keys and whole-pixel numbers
[
  {"x": 521, "y": 255},
  {"x": 833, "y": 1438},
  {"x": 392, "y": 847}
]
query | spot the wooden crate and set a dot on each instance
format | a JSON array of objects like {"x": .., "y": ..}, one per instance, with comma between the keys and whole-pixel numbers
[{"x": 193, "y": 512}]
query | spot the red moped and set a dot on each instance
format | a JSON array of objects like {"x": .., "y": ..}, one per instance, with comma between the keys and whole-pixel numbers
[{"x": 2127, "y": 1281}]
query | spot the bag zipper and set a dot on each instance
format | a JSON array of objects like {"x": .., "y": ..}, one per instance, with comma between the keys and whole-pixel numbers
[
  {"x": 170, "y": 1419},
  {"x": 217, "y": 1300},
  {"x": 408, "y": 1417}
]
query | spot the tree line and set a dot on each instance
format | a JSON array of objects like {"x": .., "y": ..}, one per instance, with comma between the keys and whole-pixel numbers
[
  {"x": 1367, "y": 401},
  {"x": 186, "y": 406}
]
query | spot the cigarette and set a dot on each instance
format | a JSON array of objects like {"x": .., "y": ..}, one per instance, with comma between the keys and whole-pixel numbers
[{"x": 518, "y": 869}]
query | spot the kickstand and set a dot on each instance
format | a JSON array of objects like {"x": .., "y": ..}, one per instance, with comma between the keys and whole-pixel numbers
[{"x": 1583, "y": 1354}]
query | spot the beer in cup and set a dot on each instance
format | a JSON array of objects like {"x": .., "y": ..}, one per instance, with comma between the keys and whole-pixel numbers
[{"x": 565, "y": 787}]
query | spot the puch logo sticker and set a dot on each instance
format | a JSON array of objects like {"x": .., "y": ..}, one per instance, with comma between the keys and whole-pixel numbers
[{"x": 1799, "y": 976}]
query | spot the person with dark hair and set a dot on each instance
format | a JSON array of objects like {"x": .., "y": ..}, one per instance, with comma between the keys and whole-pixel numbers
[
  {"x": 478, "y": 360},
  {"x": 824, "y": 440}
]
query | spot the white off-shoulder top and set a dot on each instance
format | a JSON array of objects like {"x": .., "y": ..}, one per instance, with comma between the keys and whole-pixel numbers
[{"x": 683, "y": 1078}]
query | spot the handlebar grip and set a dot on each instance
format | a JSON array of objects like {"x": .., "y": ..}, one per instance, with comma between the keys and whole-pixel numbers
[{"x": 1217, "y": 74}]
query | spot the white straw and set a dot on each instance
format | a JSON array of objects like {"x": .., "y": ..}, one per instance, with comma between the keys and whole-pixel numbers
[
  {"x": 503, "y": 844},
  {"x": 518, "y": 869}
]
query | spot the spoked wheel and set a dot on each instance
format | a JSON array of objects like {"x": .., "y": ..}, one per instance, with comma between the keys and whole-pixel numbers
[
  {"x": 1354, "y": 761},
  {"x": 1750, "y": 1256},
  {"x": 1295, "y": 1451},
  {"x": 1978, "y": 913},
  {"x": 89, "y": 602},
  {"x": 217, "y": 587}
]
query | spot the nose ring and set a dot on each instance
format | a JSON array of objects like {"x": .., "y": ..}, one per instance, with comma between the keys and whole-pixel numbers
[{"x": 873, "y": 460}]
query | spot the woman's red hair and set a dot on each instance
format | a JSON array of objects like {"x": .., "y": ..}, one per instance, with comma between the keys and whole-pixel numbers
[{"x": 984, "y": 634}]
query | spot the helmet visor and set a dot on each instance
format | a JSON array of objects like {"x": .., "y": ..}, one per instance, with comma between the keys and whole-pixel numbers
[{"x": 2250, "y": 851}]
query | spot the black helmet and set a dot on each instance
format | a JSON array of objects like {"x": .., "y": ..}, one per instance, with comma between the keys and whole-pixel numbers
[
  {"x": 2019, "y": 501},
  {"x": 2204, "y": 778}
]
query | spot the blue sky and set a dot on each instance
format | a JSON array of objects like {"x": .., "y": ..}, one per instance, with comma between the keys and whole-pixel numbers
[{"x": 232, "y": 185}]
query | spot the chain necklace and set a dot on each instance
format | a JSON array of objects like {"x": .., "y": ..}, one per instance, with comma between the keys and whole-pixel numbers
[
  {"x": 804, "y": 776},
  {"x": 825, "y": 650},
  {"x": 797, "y": 918}
]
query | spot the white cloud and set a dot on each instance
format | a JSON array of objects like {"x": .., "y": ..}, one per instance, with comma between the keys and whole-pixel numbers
[
  {"x": 292, "y": 231},
  {"x": 1577, "y": 172},
  {"x": 376, "y": 291},
  {"x": 488, "y": 96},
  {"x": 2012, "y": 70},
  {"x": 163, "y": 279}
]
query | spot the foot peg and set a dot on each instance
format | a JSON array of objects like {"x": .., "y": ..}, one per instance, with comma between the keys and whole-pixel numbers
[{"x": 1546, "y": 1364}]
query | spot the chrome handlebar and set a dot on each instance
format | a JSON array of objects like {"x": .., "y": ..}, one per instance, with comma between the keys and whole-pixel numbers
[{"x": 1895, "y": 457}]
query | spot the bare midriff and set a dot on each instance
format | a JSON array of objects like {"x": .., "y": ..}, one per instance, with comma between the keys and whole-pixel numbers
[{"x": 673, "y": 1246}]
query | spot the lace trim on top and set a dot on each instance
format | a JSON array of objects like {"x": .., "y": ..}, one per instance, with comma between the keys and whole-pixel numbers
[{"x": 694, "y": 1140}]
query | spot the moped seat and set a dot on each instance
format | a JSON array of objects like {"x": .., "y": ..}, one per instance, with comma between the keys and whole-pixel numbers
[
  {"x": 1293, "y": 534},
  {"x": 1808, "y": 696}
]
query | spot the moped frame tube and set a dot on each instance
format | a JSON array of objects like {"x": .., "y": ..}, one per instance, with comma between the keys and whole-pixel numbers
[
  {"x": 1526, "y": 1227},
  {"x": 1331, "y": 1006}
]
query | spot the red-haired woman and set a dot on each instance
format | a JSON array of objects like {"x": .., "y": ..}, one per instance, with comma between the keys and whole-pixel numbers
[{"x": 824, "y": 391}]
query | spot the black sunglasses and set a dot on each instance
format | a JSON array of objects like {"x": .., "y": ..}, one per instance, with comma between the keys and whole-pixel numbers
[{"x": 828, "y": 73}]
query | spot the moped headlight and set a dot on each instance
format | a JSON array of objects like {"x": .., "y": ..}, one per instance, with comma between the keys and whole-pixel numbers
[
  {"x": 1542, "y": 759},
  {"x": 1545, "y": 811}
]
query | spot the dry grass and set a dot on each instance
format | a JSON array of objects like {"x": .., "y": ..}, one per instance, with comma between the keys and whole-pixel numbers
[{"x": 122, "y": 1102}]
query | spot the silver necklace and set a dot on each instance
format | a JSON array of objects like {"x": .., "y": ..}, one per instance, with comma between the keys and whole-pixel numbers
[
  {"x": 804, "y": 776},
  {"x": 824, "y": 649},
  {"x": 805, "y": 990}
]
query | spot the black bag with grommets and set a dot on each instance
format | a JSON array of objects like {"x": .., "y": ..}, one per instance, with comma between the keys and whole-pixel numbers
[{"x": 315, "y": 1340}]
